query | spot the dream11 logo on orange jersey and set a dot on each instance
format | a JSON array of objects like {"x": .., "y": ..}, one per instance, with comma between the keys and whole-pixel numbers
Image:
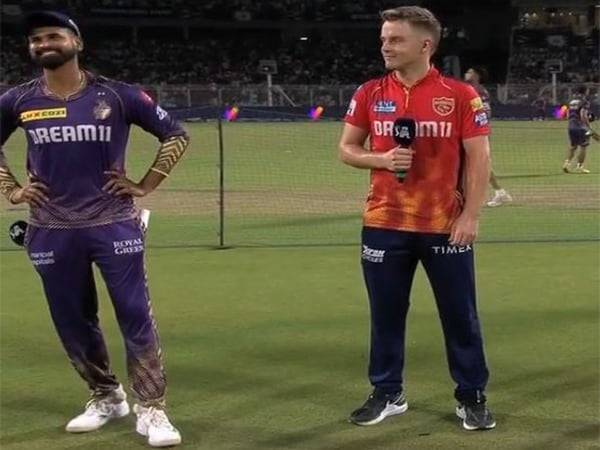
[{"x": 425, "y": 128}]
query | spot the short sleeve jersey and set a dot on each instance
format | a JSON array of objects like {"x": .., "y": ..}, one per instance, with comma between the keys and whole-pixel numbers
[
  {"x": 576, "y": 105},
  {"x": 446, "y": 112},
  {"x": 485, "y": 98},
  {"x": 70, "y": 144}
]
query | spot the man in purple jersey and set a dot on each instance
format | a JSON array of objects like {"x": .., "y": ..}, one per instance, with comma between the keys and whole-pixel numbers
[
  {"x": 82, "y": 212},
  {"x": 579, "y": 131}
]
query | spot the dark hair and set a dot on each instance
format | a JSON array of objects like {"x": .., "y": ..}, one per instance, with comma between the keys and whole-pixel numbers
[
  {"x": 482, "y": 72},
  {"x": 417, "y": 17}
]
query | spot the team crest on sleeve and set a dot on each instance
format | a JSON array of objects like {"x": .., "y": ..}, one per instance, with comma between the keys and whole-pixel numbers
[
  {"x": 102, "y": 110},
  {"x": 476, "y": 104},
  {"x": 444, "y": 106}
]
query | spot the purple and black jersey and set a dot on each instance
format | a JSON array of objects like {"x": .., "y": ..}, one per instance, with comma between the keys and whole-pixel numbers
[
  {"x": 72, "y": 143},
  {"x": 575, "y": 108}
]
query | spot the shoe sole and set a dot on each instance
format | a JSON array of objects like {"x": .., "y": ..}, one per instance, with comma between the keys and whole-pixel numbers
[
  {"x": 170, "y": 443},
  {"x": 460, "y": 413},
  {"x": 87, "y": 430},
  {"x": 390, "y": 410}
]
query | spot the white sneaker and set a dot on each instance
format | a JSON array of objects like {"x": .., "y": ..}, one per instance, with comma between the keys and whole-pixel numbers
[
  {"x": 580, "y": 169},
  {"x": 98, "y": 411},
  {"x": 154, "y": 423},
  {"x": 500, "y": 197}
]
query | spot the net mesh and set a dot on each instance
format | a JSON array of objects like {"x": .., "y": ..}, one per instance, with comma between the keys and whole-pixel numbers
[{"x": 284, "y": 185}]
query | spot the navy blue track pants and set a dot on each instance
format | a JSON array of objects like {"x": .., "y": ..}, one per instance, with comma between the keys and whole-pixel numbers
[{"x": 389, "y": 260}]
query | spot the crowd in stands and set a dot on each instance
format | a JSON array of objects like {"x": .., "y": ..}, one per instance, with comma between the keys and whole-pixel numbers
[
  {"x": 535, "y": 51},
  {"x": 241, "y": 10},
  {"x": 215, "y": 59}
]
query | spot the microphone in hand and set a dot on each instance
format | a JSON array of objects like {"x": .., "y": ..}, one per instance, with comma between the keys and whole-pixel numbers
[{"x": 405, "y": 130}]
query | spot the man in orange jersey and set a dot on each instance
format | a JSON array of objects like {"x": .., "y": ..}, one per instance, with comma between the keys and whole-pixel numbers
[{"x": 423, "y": 205}]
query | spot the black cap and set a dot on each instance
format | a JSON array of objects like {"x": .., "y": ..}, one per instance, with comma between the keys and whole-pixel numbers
[{"x": 38, "y": 19}]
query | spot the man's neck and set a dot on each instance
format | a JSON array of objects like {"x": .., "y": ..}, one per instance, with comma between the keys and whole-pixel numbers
[
  {"x": 65, "y": 80},
  {"x": 411, "y": 75}
]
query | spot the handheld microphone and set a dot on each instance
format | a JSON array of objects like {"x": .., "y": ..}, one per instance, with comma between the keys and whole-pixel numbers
[
  {"x": 405, "y": 130},
  {"x": 17, "y": 232}
]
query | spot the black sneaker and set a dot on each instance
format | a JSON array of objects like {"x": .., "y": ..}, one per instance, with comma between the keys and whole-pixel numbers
[
  {"x": 475, "y": 416},
  {"x": 378, "y": 406}
]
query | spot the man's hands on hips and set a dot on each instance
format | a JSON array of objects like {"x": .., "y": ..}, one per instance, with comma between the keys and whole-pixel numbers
[
  {"x": 119, "y": 184},
  {"x": 464, "y": 230},
  {"x": 397, "y": 159},
  {"x": 36, "y": 194}
]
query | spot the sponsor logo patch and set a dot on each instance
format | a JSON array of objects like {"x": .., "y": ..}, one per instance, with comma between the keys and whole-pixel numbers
[
  {"x": 43, "y": 114},
  {"x": 451, "y": 249},
  {"x": 128, "y": 246},
  {"x": 372, "y": 255},
  {"x": 385, "y": 107},
  {"x": 481, "y": 119},
  {"x": 42, "y": 258},
  {"x": 444, "y": 106}
]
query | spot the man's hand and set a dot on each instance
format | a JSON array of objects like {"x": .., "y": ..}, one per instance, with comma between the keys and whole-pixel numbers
[
  {"x": 464, "y": 230},
  {"x": 595, "y": 136},
  {"x": 397, "y": 159},
  {"x": 36, "y": 194},
  {"x": 119, "y": 184}
]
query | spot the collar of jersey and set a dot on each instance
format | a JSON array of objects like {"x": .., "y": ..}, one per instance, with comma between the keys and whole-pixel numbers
[
  {"x": 431, "y": 74},
  {"x": 90, "y": 79}
]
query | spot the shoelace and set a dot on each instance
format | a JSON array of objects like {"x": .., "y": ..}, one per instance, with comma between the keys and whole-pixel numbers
[
  {"x": 158, "y": 418},
  {"x": 95, "y": 405}
]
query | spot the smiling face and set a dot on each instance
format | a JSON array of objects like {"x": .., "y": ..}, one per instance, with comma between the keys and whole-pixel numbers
[
  {"x": 51, "y": 47},
  {"x": 403, "y": 45}
]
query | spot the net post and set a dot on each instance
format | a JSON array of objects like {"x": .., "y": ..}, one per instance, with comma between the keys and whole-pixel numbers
[{"x": 221, "y": 185}]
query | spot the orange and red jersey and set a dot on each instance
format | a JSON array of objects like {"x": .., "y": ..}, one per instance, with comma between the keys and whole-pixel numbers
[{"x": 446, "y": 111}]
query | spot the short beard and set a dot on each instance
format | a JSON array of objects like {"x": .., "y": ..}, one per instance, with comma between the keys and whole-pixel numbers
[{"x": 55, "y": 60}]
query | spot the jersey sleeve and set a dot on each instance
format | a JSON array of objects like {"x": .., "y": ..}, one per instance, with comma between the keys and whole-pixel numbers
[
  {"x": 474, "y": 120},
  {"x": 8, "y": 118},
  {"x": 8, "y": 124},
  {"x": 142, "y": 110},
  {"x": 358, "y": 109}
]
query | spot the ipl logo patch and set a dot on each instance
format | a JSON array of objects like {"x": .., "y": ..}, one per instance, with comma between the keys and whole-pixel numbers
[
  {"x": 102, "y": 110},
  {"x": 444, "y": 106},
  {"x": 385, "y": 107}
]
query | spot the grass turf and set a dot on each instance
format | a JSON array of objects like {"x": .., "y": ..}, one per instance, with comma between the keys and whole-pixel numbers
[{"x": 267, "y": 349}]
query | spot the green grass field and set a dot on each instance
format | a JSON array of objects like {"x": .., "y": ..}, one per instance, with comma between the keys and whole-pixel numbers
[
  {"x": 266, "y": 344},
  {"x": 267, "y": 349}
]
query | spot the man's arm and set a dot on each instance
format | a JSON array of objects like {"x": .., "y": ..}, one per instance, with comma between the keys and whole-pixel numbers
[
  {"x": 477, "y": 173},
  {"x": 35, "y": 193},
  {"x": 353, "y": 152},
  {"x": 585, "y": 118},
  {"x": 168, "y": 155},
  {"x": 141, "y": 110}
]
